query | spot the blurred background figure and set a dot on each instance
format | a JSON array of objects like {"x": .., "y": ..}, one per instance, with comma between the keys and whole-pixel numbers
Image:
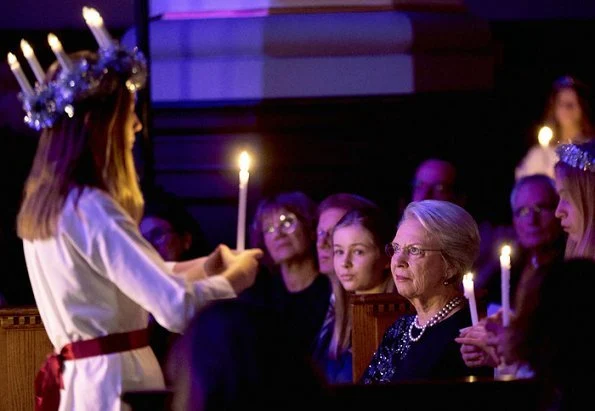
[
  {"x": 435, "y": 244},
  {"x": 538, "y": 236},
  {"x": 436, "y": 179},
  {"x": 360, "y": 267},
  {"x": 569, "y": 116},
  {"x": 289, "y": 281},
  {"x": 171, "y": 229},
  {"x": 236, "y": 355}
]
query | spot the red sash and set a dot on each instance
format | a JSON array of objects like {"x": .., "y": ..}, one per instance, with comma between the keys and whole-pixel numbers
[{"x": 48, "y": 380}]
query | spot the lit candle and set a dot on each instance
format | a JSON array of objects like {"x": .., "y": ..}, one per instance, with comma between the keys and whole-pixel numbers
[
  {"x": 244, "y": 176},
  {"x": 16, "y": 69},
  {"x": 505, "y": 283},
  {"x": 470, "y": 295},
  {"x": 95, "y": 23},
  {"x": 56, "y": 46},
  {"x": 33, "y": 62},
  {"x": 545, "y": 136}
]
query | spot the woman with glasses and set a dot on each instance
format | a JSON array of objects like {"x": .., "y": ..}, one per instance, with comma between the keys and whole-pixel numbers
[
  {"x": 435, "y": 244},
  {"x": 285, "y": 227}
]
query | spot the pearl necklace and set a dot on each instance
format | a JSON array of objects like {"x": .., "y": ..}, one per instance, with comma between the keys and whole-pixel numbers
[{"x": 451, "y": 305}]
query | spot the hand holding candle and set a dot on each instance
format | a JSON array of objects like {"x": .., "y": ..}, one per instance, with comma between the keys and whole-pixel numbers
[
  {"x": 505, "y": 283},
  {"x": 16, "y": 69},
  {"x": 244, "y": 176},
  {"x": 470, "y": 295}
]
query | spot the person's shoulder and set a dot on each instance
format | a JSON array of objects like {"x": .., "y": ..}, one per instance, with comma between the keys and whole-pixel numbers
[
  {"x": 98, "y": 203},
  {"x": 94, "y": 208}
]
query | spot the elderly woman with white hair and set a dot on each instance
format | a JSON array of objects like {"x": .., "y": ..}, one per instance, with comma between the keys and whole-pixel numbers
[{"x": 435, "y": 244}]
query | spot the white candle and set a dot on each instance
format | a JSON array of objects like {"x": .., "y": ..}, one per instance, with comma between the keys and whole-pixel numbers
[
  {"x": 470, "y": 295},
  {"x": 244, "y": 176},
  {"x": 56, "y": 46},
  {"x": 95, "y": 23},
  {"x": 505, "y": 283},
  {"x": 33, "y": 62},
  {"x": 16, "y": 69}
]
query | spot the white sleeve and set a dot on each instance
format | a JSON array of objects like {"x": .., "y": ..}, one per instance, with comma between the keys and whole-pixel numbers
[{"x": 137, "y": 269}]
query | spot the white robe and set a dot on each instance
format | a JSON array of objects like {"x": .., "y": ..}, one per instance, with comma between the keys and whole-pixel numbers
[
  {"x": 99, "y": 276},
  {"x": 538, "y": 160}
]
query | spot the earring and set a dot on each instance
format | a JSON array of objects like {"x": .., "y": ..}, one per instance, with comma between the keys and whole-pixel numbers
[{"x": 446, "y": 282}]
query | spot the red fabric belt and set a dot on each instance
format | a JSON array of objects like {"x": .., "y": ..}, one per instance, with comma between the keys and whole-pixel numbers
[{"x": 48, "y": 380}]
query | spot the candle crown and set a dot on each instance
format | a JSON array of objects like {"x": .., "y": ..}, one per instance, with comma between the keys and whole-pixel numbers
[
  {"x": 80, "y": 80},
  {"x": 581, "y": 156}
]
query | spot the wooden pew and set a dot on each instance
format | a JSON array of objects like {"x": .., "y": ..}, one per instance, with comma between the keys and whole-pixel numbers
[
  {"x": 24, "y": 346},
  {"x": 372, "y": 315}
]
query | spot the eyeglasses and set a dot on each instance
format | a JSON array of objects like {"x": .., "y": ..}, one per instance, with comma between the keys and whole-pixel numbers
[
  {"x": 411, "y": 250},
  {"x": 286, "y": 225},
  {"x": 522, "y": 212}
]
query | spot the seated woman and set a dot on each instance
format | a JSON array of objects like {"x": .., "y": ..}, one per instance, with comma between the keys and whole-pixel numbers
[
  {"x": 435, "y": 244},
  {"x": 361, "y": 267},
  {"x": 289, "y": 281}
]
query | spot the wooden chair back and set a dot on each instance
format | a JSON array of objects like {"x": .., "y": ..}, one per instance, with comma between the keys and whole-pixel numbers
[
  {"x": 24, "y": 346},
  {"x": 372, "y": 314}
]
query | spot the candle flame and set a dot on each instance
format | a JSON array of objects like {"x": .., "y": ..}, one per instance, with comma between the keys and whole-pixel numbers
[
  {"x": 506, "y": 250},
  {"x": 468, "y": 283},
  {"x": 26, "y": 48},
  {"x": 54, "y": 42},
  {"x": 12, "y": 61},
  {"x": 92, "y": 17},
  {"x": 244, "y": 161},
  {"x": 544, "y": 136}
]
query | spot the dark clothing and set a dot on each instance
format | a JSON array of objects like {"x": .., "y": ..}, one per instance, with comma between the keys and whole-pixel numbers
[
  {"x": 436, "y": 355},
  {"x": 336, "y": 370},
  {"x": 303, "y": 311}
]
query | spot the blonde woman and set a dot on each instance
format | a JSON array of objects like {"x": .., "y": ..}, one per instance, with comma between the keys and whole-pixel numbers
[
  {"x": 360, "y": 266},
  {"x": 94, "y": 277}
]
